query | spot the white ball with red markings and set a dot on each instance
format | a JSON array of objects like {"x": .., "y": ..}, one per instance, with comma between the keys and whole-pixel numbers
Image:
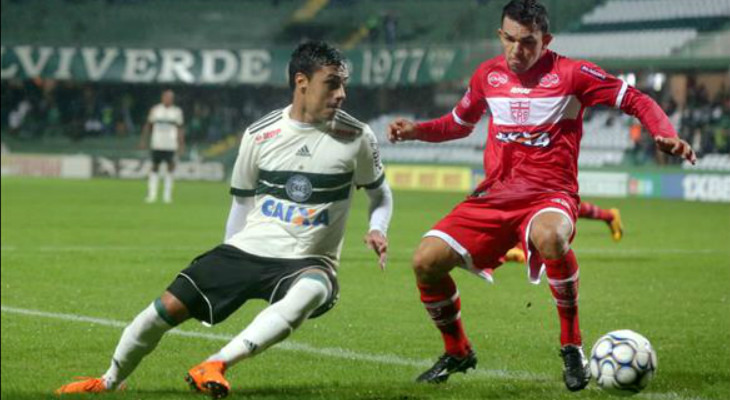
[{"x": 623, "y": 362}]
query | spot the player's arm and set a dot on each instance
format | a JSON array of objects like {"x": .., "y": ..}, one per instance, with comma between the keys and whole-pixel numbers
[
  {"x": 370, "y": 175},
  {"x": 457, "y": 124},
  {"x": 595, "y": 86},
  {"x": 144, "y": 140},
  {"x": 240, "y": 207},
  {"x": 654, "y": 119},
  {"x": 243, "y": 186},
  {"x": 181, "y": 135}
]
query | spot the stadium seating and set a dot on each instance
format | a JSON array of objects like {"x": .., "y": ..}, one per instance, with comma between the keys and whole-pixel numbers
[
  {"x": 627, "y": 44},
  {"x": 655, "y": 10}
]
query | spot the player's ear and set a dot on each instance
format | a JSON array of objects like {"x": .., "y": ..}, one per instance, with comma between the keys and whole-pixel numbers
[
  {"x": 301, "y": 81},
  {"x": 546, "y": 39}
]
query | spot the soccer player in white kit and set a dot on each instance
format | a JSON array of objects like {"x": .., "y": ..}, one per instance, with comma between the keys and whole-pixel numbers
[
  {"x": 293, "y": 183},
  {"x": 165, "y": 121}
]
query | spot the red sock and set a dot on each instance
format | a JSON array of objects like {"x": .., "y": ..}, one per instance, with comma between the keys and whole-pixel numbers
[
  {"x": 563, "y": 279},
  {"x": 444, "y": 306},
  {"x": 592, "y": 211}
]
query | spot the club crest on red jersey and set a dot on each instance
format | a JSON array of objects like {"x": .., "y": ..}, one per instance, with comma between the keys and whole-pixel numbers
[
  {"x": 497, "y": 79},
  {"x": 520, "y": 110},
  {"x": 549, "y": 80}
]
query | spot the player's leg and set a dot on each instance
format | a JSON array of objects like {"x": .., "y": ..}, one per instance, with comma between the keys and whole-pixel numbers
[
  {"x": 169, "y": 178},
  {"x": 138, "y": 339},
  {"x": 550, "y": 233},
  {"x": 310, "y": 292},
  {"x": 277, "y": 321},
  {"x": 432, "y": 262},
  {"x": 612, "y": 217},
  {"x": 153, "y": 180}
]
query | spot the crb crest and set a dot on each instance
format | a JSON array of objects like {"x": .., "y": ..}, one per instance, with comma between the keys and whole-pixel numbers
[
  {"x": 299, "y": 188},
  {"x": 520, "y": 111}
]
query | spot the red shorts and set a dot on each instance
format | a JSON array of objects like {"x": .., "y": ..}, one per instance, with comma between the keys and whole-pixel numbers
[{"x": 482, "y": 230}]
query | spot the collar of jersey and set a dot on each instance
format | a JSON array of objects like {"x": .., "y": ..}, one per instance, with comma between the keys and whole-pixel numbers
[{"x": 302, "y": 126}]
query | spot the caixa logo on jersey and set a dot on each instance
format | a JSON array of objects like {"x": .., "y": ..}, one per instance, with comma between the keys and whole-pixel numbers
[
  {"x": 520, "y": 111},
  {"x": 537, "y": 139},
  {"x": 299, "y": 188},
  {"x": 294, "y": 214}
]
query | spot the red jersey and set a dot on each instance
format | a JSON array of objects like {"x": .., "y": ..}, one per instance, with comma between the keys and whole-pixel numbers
[{"x": 536, "y": 121}]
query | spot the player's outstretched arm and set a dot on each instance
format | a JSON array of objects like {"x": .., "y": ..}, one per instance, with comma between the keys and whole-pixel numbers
[
  {"x": 676, "y": 147},
  {"x": 401, "y": 130},
  {"x": 654, "y": 119},
  {"x": 436, "y": 130}
]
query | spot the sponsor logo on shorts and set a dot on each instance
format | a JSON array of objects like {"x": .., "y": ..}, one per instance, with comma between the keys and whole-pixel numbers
[
  {"x": 294, "y": 214},
  {"x": 299, "y": 188},
  {"x": 592, "y": 72},
  {"x": 537, "y": 139}
]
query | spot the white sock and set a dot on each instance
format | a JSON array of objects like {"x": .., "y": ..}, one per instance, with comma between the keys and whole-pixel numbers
[
  {"x": 169, "y": 180},
  {"x": 276, "y": 322},
  {"x": 152, "y": 183},
  {"x": 139, "y": 338}
]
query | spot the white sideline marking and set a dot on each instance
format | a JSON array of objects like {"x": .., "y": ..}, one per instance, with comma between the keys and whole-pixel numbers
[{"x": 335, "y": 352}]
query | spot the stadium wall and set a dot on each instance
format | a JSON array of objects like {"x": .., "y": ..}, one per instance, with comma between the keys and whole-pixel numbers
[{"x": 691, "y": 186}]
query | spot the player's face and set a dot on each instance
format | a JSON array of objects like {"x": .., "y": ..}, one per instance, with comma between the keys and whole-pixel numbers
[
  {"x": 523, "y": 45},
  {"x": 168, "y": 97},
  {"x": 325, "y": 92}
]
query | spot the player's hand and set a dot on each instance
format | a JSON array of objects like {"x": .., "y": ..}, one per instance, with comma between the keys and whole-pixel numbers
[
  {"x": 142, "y": 146},
  {"x": 676, "y": 147},
  {"x": 376, "y": 241},
  {"x": 401, "y": 129}
]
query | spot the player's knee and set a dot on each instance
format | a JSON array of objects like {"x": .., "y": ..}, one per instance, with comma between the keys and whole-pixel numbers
[
  {"x": 552, "y": 243},
  {"x": 174, "y": 309},
  {"x": 426, "y": 267}
]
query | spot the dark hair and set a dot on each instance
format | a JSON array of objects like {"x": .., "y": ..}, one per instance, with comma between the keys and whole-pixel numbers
[
  {"x": 527, "y": 12},
  {"x": 310, "y": 56}
]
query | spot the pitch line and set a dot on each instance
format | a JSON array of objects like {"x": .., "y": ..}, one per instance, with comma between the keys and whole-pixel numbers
[
  {"x": 93, "y": 248},
  {"x": 333, "y": 352}
]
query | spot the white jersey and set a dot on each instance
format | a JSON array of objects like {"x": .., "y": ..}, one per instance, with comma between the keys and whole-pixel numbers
[
  {"x": 166, "y": 123},
  {"x": 302, "y": 178}
]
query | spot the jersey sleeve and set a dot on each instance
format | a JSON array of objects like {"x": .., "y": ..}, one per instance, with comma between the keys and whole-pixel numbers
[
  {"x": 369, "y": 172},
  {"x": 245, "y": 171},
  {"x": 473, "y": 104},
  {"x": 594, "y": 86},
  {"x": 180, "y": 120}
]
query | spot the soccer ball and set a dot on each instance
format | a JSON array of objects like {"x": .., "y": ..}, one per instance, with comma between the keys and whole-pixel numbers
[{"x": 623, "y": 362}]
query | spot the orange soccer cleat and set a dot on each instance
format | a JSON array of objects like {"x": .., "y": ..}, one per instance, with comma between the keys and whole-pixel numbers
[
  {"x": 515, "y": 254},
  {"x": 617, "y": 228},
  {"x": 83, "y": 384},
  {"x": 207, "y": 377}
]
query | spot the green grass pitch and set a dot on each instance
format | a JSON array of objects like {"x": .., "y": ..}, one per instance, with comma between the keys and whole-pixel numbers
[{"x": 91, "y": 249}]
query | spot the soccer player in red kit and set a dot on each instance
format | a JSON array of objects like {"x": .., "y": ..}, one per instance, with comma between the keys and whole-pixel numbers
[{"x": 536, "y": 100}]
